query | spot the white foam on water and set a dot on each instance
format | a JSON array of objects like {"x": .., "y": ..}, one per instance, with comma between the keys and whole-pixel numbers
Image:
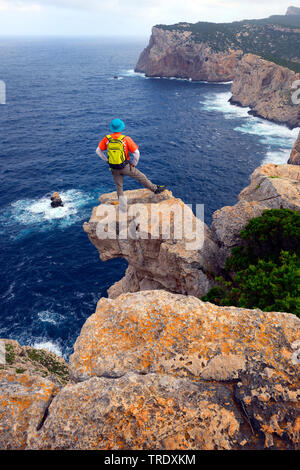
[
  {"x": 47, "y": 316},
  {"x": 216, "y": 83},
  {"x": 132, "y": 73},
  {"x": 278, "y": 157},
  {"x": 220, "y": 102},
  {"x": 269, "y": 133},
  {"x": 49, "y": 346},
  {"x": 39, "y": 211},
  {"x": 277, "y": 138},
  {"x": 116, "y": 78}
]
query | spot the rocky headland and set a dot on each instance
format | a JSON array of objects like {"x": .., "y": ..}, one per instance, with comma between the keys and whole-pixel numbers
[
  {"x": 176, "y": 54},
  {"x": 155, "y": 367},
  {"x": 166, "y": 262},
  {"x": 267, "y": 89},
  {"x": 158, "y": 368},
  {"x": 254, "y": 55}
]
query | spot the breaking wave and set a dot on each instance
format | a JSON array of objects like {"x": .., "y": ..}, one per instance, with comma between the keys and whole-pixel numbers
[
  {"x": 278, "y": 139},
  {"x": 132, "y": 73},
  {"x": 50, "y": 346},
  {"x": 30, "y": 214}
]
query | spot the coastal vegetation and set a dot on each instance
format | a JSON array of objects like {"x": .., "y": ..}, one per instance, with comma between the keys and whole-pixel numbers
[
  {"x": 275, "y": 38},
  {"x": 264, "y": 271}
]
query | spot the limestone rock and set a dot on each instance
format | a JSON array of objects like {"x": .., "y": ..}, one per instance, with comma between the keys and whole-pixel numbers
[
  {"x": 34, "y": 362},
  {"x": 29, "y": 379},
  {"x": 142, "y": 412},
  {"x": 295, "y": 154},
  {"x": 175, "y": 54},
  {"x": 158, "y": 370},
  {"x": 165, "y": 262},
  {"x": 24, "y": 399},
  {"x": 56, "y": 200},
  {"x": 267, "y": 89},
  {"x": 158, "y": 256},
  {"x": 156, "y": 331},
  {"x": 276, "y": 186},
  {"x": 272, "y": 187},
  {"x": 170, "y": 337}
]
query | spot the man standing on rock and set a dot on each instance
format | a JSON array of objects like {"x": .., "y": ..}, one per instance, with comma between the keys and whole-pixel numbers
[{"x": 118, "y": 147}]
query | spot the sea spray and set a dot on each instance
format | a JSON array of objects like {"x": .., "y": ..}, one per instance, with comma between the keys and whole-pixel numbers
[{"x": 277, "y": 138}]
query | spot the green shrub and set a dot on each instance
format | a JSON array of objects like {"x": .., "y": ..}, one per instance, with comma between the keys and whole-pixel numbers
[
  {"x": 261, "y": 37},
  {"x": 264, "y": 272}
]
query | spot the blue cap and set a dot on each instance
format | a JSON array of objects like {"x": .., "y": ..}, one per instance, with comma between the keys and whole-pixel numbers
[{"x": 117, "y": 125}]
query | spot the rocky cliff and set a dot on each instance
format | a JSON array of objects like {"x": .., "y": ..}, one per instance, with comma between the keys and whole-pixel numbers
[
  {"x": 267, "y": 89},
  {"x": 176, "y": 54},
  {"x": 176, "y": 264},
  {"x": 160, "y": 370},
  {"x": 295, "y": 154},
  {"x": 217, "y": 53},
  {"x": 157, "y": 257},
  {"x": 155, "y": 370}
]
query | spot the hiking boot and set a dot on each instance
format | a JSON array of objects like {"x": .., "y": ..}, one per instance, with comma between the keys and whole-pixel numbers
[{"x": 160, "y": 188}]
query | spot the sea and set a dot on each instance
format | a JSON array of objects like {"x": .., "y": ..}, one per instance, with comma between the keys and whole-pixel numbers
[{"x": 61, "y": 94}]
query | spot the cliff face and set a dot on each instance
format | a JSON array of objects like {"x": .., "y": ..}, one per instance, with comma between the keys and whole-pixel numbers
[
  {"x": 263, "y": 86},
  {"x": 174, "y": 264},
  {"x": 155, "y": 370},
  {"x": 161, "y": 262},
  {"x": 175, "y": 54},
  {"x": 271, "y": 187},
  {"x": 29, "y": 379},
  {"x": 160, "y": 370},
  {"x": 267, "y": 89},
  {"x": 295, "y": 154}
]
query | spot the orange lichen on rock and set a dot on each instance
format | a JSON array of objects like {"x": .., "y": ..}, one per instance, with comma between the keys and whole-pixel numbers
[
  {"x": 23, "y": 402},
  {"x": 177, "y": 337},
  {"x": 155, "y": 331},
  {"x": 141, "y": 412}
]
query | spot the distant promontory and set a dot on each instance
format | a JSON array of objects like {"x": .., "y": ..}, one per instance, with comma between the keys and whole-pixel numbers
[{"x": 261, "y": 57}]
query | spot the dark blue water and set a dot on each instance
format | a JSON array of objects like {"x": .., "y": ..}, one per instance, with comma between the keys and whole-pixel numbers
[{"x": 61, "y": 95}]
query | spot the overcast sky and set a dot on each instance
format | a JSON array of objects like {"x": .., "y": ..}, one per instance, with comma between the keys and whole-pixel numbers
[{"x": 123, "y": 17}]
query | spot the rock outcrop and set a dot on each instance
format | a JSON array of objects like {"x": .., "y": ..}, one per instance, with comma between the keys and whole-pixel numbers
[
  {"x": 165, "y": 262},
  {"x": 35, "y": 362},
  {"x": 160, "y": 370},
  {"x": 267, "y": 89},
  {"x": 157, "y": 257},
  {"x": 141, "y": 412},
  {"x": 295, "y": 154},
  {"x": 29, "y": 379},
  {"x": 155, "y": 370},
  {"x": 272, "y": 187},
  {"x": 165, "y": 371},
  {"x": 56, "y": 200},
  {"x": 24, "y": 400},
  {"x": 175, "y": 54}
]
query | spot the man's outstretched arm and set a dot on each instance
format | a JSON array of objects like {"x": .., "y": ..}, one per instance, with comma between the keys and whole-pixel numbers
[
  {"x": 136, "y": 157},
  {"x": 101, "y": 154}
]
